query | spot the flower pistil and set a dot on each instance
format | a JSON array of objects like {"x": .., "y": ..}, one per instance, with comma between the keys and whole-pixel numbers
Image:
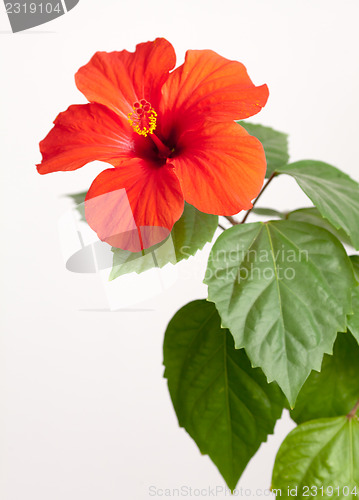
[{"x": 144, "y": 118}]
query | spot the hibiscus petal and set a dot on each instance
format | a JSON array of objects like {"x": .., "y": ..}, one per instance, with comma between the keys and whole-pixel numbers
[
  {"x": 134, "y": 206},
  {"x": 221, "y": 168},
  {"x": 118, "y": 79},
  {"x": 208, "y": 85},
  {"x": 82, "y": 134}
]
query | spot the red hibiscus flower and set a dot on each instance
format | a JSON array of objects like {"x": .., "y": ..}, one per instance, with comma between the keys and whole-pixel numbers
[{"x": 169, "y": 136}]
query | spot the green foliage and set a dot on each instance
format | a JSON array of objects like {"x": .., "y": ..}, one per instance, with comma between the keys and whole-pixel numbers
[
  {"x": 275, "y": 145},
  {"x": 225, "y": 405},
  {"x": 189, "y": 234},
  {"x": 334, "y": 391},
  {"x": 192, "y": 231},
  {"x": 313, "y": 216},
  {"x": 125, "y": 262},
  {"x": 353, "y": 321},
  {"x": 320, "y": 454},
  {"x": 284, "y": 290},
  {"x": 79, "y": 200},
  {"x": 268, "y": 212},
  {"x": 333, "y": 192}
]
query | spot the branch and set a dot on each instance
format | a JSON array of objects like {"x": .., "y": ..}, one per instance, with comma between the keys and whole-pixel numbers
[
  {"x": 233, "y": 221},
  {"x": 260, "y": 194},
  {"x": 352, "y": 412}
]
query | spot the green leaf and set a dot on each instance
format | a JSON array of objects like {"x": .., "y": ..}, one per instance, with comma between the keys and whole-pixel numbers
[
  {"x": 353, "y": 321},
  {"x": 275, "y": 145},
  {"x": 225, "y": 405},
  {"x": 335, "y": 390},
  {"x": 79, "y": 200},
  {"x": 190, "y": 233},
  {"x": 268, "y": 212},
  {"x": 283, "y": 289},
  {"x": 125, "y": 262},
  {"x": 334, "y": 193},
  {"x": 313, "y": 216},
  {"x": 319, "y": 454}
]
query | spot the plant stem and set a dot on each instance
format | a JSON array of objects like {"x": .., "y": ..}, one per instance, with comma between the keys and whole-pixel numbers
[
  {"x": 260, "y": 194},
  {"x": 231, "y": 219},
  {"x": 352, "y": 412}
]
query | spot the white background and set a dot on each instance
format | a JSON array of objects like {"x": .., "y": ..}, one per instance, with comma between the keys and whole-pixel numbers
[{"x": 85, "y": 413}]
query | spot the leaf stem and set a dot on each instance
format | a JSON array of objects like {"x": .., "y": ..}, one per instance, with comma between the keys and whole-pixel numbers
[
  {"x": 352, "y": 412},
  {"x": 233, "y": 221},
  {"x": 260, "y": 194}
]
